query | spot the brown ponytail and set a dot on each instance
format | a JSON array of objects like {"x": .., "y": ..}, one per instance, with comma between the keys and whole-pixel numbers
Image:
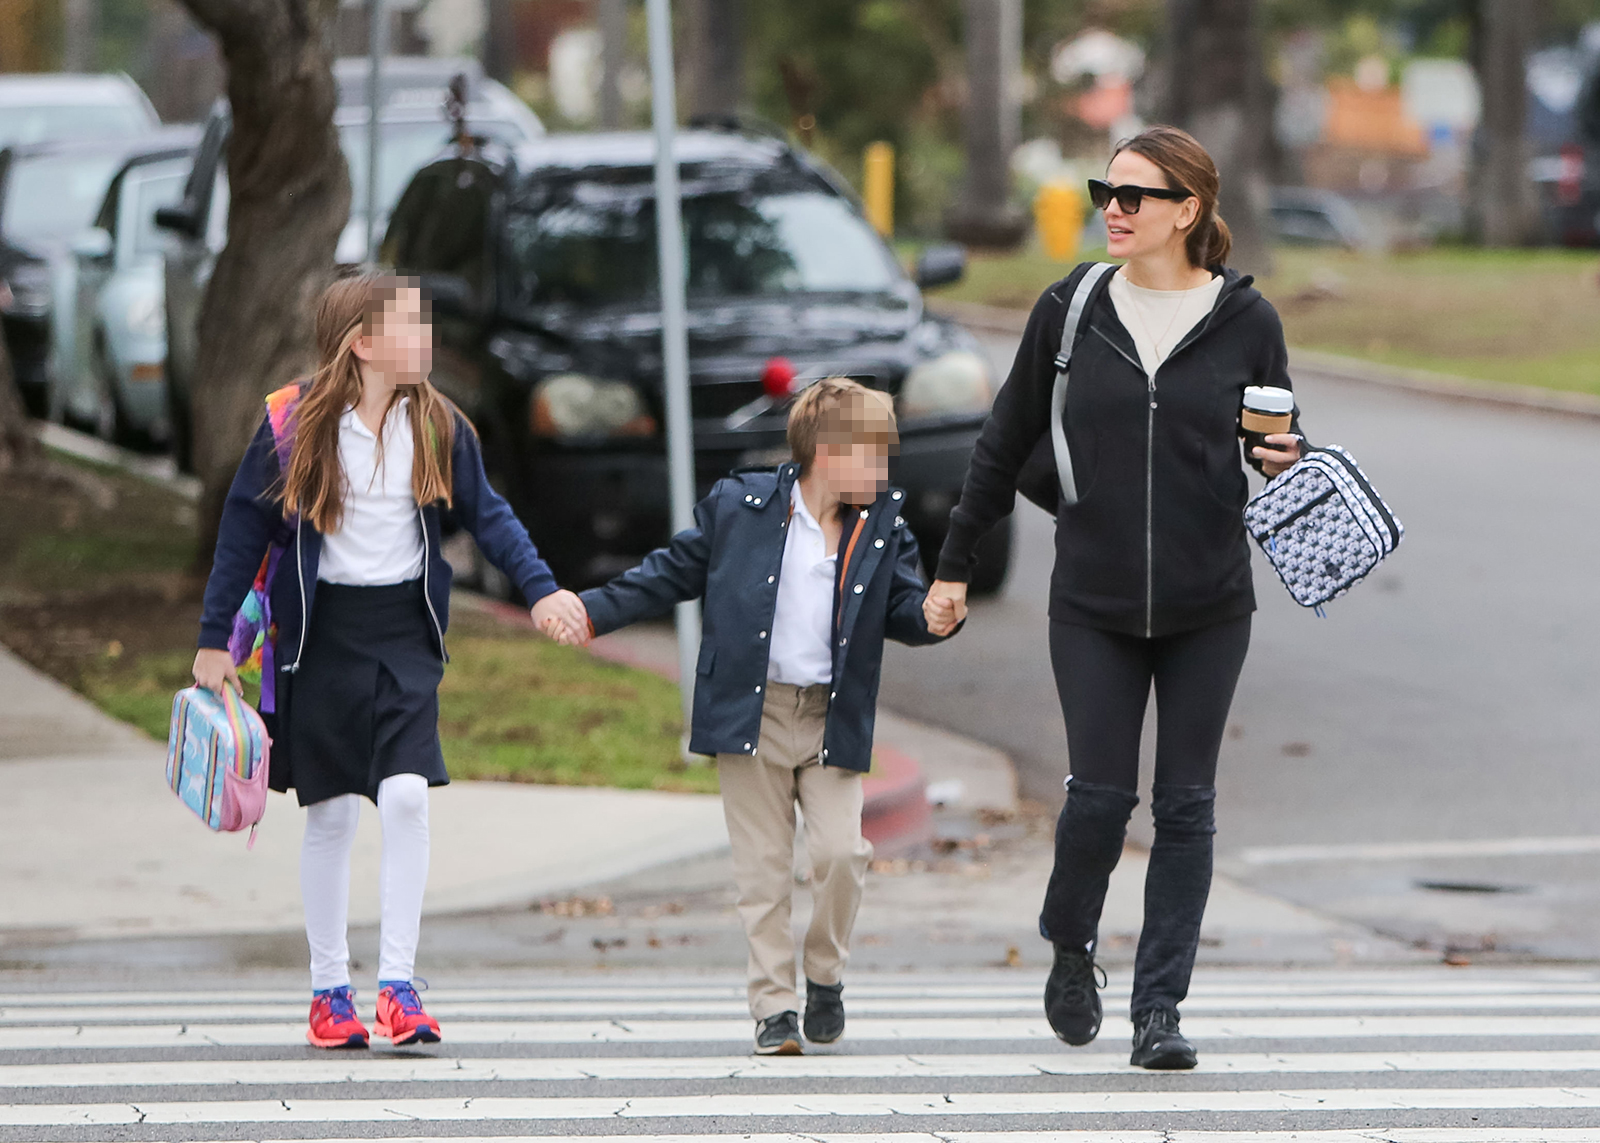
[{"x": 1187, "y": 164}]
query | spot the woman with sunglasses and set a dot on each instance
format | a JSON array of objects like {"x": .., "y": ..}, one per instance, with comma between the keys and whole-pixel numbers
[{"x": 1152, "y": 573}]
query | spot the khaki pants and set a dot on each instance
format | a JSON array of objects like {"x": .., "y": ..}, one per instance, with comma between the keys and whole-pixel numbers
[{"x": 758, "y": 796}]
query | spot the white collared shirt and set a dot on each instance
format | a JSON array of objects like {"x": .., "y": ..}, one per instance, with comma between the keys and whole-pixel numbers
[
  {"x": 802, "y": 627},
  {"x": 380, "y": 535}
]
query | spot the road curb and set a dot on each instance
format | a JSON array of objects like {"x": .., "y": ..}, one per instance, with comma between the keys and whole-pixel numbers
[
  {"x": 895, "y": 814},
  {"x": 1002, "y": 320}
]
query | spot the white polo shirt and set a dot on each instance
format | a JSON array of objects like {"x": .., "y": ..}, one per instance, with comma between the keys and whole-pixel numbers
[
  {"x": 802, "y": 627},
  {"x": 379, "y": 539}
]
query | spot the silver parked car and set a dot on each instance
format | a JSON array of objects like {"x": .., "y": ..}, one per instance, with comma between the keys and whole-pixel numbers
[
  {"x": 112, "y": 372},
  {"x": 55, "y": 108}
]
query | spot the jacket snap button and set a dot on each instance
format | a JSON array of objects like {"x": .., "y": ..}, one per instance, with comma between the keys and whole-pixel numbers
[
  {"x": 833, "y": 694},
  {"x": 758, "y": 690},
  {"x": 758, "y": 500},
  {"x": 858, "y": 589},
  {"x": 747, "y": 499},
  {"x": 863, "y": 513},
  {"x": 824, "y": 753},
  {"x": 842, "y": 642},
  {"x": 763, "y": 635},
  {"x": 877, "y": 543},
  {"x": 772, "y": 579},
  {"x": 748, "y": 747},
  {"x": 899, "y": 521},
  {"x": 896, "y": 495}
]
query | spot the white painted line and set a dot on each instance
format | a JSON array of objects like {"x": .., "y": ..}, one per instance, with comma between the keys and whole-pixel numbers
[
  {"x": 1029, "y": 1004},
  {"x": 409, "y": 1069},
  {"x": 1405, "y": 850},
  {"x": 949, "y": 1030},
  {"x": 939, "y": 1104},
  {"x": 1360, "y": 1135}
]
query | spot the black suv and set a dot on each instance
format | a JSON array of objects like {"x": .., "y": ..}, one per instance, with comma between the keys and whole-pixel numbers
[{"x": 541, "y": 265}]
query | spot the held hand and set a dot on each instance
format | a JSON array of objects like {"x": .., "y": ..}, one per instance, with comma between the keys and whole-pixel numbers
[
  {"x": 562, "y": 616},
  {"x": 1279, "y": 459},
  {"x": 212, "y": 668},
  {"x": 945, "y": 606}
]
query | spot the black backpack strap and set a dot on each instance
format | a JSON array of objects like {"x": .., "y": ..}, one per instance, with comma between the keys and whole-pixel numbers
[{"x": 1077, "y": 315}]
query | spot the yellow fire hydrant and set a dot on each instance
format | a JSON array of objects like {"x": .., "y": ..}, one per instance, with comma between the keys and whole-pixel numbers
[
  {"x": 1058, "y": 215},
  {"x": 877, "y": 187}
]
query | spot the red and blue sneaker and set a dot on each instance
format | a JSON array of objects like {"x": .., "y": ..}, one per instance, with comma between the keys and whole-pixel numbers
[
  {"x": 400, "y": 1015},
  {"x": 334, "y": 1023}
]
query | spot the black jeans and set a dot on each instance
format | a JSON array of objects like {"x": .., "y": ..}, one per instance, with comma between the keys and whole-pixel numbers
[{"x": 1104, "y": 682}]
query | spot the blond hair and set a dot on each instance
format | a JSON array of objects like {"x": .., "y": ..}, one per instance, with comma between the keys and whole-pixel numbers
[
  {"x": 839, "y": 411},
  {"x": 313, "y": 484}
]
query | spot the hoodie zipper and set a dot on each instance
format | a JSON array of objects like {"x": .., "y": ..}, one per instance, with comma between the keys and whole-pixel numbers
[{"x": 1150, "y": 455}]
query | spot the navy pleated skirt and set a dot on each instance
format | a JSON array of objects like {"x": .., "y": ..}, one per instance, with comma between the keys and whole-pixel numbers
[{"x": 364, "y": 704}]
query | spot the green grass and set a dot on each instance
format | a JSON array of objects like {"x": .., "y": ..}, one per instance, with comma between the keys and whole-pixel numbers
[
  {"x": 95, "y": 591},
  {"x": 1521, "y": 316}
]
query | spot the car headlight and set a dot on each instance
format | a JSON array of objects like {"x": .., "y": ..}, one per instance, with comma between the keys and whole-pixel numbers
[
  {"x": 30, "y": 290},
  {"x": 956, "y": 382},
  {"x": 573, "y": 405},
  {"x": 145, "y": 317}
]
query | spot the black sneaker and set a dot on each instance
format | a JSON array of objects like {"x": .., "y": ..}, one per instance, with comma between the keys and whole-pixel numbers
[
  {"x": 1158, "y": 1045},
  {"x": 824, "y": 1012},
  {"x": 778, "y": 1035},
  {"x": 1071, "y": 1002}
]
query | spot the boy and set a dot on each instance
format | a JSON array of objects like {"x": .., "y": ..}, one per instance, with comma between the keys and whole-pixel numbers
[{"x": 804, "y": 571}]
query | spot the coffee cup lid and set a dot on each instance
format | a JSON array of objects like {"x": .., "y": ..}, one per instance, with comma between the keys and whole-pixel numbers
[{"x": 1268, "y": 399}]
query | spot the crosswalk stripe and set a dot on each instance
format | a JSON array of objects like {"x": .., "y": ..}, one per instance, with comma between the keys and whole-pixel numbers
[
  {"x": 940, "y": 1104},
  {"x": 446, "y": 1009},
  {"x": 265, "y": 1073},
  {"x": 624, "y": 1030},
  {"x": 1387, "y": 1135}
]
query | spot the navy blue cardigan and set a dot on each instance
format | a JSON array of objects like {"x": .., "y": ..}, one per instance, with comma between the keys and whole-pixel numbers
[
  {"x": 732, "y": 558},
  {"x": 252, "y": 517}
]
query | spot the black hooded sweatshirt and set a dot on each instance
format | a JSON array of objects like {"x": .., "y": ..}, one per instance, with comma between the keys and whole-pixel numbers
[{"x": 1156, "y": 544}]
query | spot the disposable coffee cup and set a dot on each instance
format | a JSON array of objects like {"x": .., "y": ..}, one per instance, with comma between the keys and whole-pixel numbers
[{"x": 1267, "y": 410}]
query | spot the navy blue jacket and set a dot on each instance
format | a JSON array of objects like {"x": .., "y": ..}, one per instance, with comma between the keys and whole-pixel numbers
[
  {"x": 732, "y": 558},
  {"x": 252, "y": 517}
]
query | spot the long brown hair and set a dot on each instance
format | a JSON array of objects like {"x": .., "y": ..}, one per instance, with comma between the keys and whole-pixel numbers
[
  {"x": 314, "y": 485},
  {"x": 1188, "y": 165}
]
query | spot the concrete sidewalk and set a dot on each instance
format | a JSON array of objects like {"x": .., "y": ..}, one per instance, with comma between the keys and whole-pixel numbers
[{"x": 95, "y": 844}]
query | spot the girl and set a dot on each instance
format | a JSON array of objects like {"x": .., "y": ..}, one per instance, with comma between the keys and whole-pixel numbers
[
  {"x": 361, "y": 602},
  {"x": 1152, "y": 573}
]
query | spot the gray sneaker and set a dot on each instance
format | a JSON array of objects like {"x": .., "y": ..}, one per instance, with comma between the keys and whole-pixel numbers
[{"x": 778, "y": 1035}]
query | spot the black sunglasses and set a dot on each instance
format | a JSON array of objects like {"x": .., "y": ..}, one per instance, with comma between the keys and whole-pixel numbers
[{"x": 1129, "y": 197}]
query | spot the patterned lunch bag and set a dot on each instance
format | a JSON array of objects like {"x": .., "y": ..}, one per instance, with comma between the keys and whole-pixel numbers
[
  {"x": 217, "y": 758},
  {"x": 1322, "y": 526}
]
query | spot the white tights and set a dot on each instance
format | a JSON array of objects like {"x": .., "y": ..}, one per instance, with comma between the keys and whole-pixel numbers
[{"x": 325, "y": 879}]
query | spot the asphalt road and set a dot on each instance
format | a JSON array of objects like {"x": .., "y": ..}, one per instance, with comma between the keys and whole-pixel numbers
[{"x": 1450, "y": 699}]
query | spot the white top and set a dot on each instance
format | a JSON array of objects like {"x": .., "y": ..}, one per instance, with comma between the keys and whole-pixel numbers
[
  {"x": 380, "y": 536},
  {"x": 1160, "y": 319},
  {"x": 802, "y": 627}
]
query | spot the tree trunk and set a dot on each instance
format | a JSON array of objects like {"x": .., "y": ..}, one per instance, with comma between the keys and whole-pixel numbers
[
  {"x": 1217, "y": 91},
  {"x": 613, "y": 58},
  {"x": 290, "y": 198},
  {"x": 984, "y": 214},
  {"x": 1503, "y": 205},
  {"x": 716, "y": 56},
  {"x": 500, "y": 42},
  {"x": 18, "y": 445}
]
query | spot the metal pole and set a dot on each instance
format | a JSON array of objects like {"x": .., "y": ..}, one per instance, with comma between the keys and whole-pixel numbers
[
  {"x": 613, "y": 55},
  {"x": 377, "y": 47},
  {"x": 674, "y": 324}
]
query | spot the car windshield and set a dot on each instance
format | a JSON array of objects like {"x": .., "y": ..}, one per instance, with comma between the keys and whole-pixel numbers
[
  {"x": 42, "y": 124},
  {"x": 598, "y": 247},
  {"x": 53, "y": 197},
  {"x": 407, "y": 147}
]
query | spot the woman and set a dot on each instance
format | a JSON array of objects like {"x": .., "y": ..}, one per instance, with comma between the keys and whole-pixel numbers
[
  {"x": 361, "y": 608},
  {"x": 1152, "y": 573}
]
